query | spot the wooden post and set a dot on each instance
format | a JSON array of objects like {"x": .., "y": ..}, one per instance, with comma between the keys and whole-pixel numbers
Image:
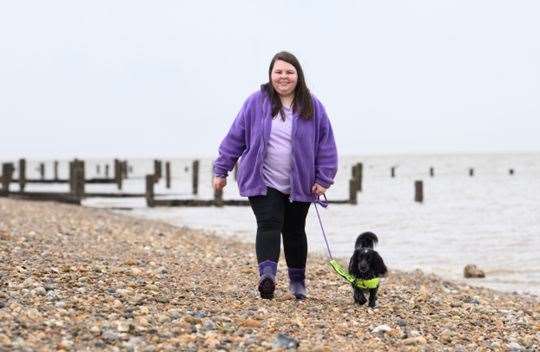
[
  {"x": 393, "y": 172},
  {"x": 168, "y": 174},
  {"x": 353, "y": 190},
  {"x": 124, "y": 169},
  {"x": 471, "y": 172},
  {"x": 418, "y": 191},
  {"x": 76, "y": 178},
  {"x": 157, "y": 170},
  {"x": 149, "y": 190},
  {"x": 7, "y": 175},
  {"x": 236, "y": 171},
  {"x": 511, "y": 171},
  {"x": 42, "y": 170},
  {"x": 431, "y": 171},
  {"x": 72, "y": 176},
  {"x": 22, "y": 174},
  {"x": 106, "y": 170},
  {"x": 118, "y": 173},
  {"x": 55, "y": 170},
  {"x": 98, "y": 169},
  {"x": 130, "y": 169},
  {"x": 195, "y": 176},
  {"x": 79, "y": 179},
  {"x": 218, "y": 198},
  {"x": 358, "y": 174}
]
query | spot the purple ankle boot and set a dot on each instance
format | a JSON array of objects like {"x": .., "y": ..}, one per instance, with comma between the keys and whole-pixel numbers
[
  {"x": 267, "y": 280},
  {"x": 297, "y": 284}
]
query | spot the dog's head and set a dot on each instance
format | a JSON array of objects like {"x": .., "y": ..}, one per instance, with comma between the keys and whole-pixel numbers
[{"x": 366, "y": 262}]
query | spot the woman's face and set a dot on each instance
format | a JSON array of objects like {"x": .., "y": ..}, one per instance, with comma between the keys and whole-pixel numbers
[{"x": 284, "y": 78}]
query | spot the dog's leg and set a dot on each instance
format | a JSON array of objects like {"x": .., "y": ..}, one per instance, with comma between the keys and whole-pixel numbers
[
  {"x": 359, "y": 297},
  {"x": 373, "y": 297}
]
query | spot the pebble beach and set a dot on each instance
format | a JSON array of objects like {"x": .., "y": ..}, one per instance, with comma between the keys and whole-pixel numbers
[{"x": 83, "y": 279}]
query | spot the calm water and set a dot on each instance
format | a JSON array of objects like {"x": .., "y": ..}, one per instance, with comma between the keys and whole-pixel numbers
[{"x": 491, "y": 220}]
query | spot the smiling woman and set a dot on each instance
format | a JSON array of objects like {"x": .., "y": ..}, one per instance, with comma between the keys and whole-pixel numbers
[{"x": 288, "y": 158}]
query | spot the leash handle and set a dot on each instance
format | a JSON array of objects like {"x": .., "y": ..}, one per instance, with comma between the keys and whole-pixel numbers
[{"x": 324, "y": 204}]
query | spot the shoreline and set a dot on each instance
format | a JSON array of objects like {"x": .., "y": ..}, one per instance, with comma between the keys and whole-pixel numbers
[
  {"x": 241, "y": 235},
  {"x": 77, "y": 278}
]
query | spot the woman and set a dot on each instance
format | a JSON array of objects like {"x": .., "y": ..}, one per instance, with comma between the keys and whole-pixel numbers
[{"x": 288, "y": 159}]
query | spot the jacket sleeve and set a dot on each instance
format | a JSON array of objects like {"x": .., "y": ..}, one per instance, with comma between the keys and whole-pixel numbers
[
  {"x": 326, "y": 159},
  {"x": 233, "y": 145}
]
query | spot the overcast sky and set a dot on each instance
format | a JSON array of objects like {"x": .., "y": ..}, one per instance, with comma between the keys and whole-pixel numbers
[{"x": 166, "y": 78}]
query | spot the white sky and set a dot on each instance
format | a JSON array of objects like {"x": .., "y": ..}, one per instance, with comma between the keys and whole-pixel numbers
[{"x": 166, "y": 78}]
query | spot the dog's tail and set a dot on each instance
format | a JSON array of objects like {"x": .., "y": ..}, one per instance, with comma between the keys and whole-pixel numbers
[{"x": 366, "y": 239}]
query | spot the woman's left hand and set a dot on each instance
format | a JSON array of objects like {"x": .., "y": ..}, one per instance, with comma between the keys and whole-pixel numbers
[{"x": 318, "y": 189}]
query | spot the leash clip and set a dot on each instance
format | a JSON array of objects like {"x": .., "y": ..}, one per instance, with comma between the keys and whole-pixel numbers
[{"x": 322, "y": 203}]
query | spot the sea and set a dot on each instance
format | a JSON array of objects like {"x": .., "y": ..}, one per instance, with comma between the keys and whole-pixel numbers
[{"x": 490, "y": 219}]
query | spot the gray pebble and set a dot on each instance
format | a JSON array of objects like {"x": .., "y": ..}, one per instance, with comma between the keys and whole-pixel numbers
[{"x": 284, "y": 341}]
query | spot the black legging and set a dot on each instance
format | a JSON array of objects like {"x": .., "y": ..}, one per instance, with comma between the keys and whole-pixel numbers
[{"x": 275, "y": 215}]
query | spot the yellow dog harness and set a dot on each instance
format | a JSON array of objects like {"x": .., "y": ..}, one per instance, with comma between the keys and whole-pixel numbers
[{"x": 360, "y": 283}]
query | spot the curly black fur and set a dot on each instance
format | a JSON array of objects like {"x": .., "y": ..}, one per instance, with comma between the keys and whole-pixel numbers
[{"x": 366, "y": 264}]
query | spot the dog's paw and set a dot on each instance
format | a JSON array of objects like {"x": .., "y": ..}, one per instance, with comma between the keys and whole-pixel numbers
[{"x": 360, "y": 300}]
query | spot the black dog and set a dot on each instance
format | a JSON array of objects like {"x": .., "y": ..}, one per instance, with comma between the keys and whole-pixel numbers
[{"x": 366, "y": 264}]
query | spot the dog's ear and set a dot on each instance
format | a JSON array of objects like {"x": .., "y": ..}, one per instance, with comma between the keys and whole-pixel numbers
[
  {"x": 377, "y": 265},
  {"x": 353, "y": 264}
]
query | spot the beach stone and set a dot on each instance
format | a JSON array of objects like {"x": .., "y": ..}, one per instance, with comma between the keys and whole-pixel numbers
[
  {"x": 472, "y": 271},
  {"x": 66, "y": 344},
  {"x": 401, "y": 322},
  {"x": 251, "y": 323},
  {"x": 174, "y": 313},
  {"x": 284, "y": 341},
  {"x": 381, "y": 329},
  {"x": 200, "y": 315},
  {"x": 446, "y": 336},
  {"x": 110, "y": 335},
  {"x": 515, "y": 347},
  {"x": 417, "y": 340},
  {"x": 4, "y": 340},
  {"x": 209, "y": 325}
]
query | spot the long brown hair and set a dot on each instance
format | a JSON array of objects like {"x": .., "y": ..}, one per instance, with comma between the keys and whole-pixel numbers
[{"x": 302, "y": 97}]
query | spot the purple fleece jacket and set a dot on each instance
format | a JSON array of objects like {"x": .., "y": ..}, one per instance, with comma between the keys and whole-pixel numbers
[{"x": 313, "y": 147}]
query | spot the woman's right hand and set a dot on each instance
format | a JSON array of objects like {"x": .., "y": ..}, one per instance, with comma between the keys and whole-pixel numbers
[{"x": 219, "y": 183}]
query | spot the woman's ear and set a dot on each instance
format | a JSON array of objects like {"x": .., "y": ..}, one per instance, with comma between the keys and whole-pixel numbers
[
  {"x": 353, "y": 264},
  {"x": 378, "y": 265}
]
